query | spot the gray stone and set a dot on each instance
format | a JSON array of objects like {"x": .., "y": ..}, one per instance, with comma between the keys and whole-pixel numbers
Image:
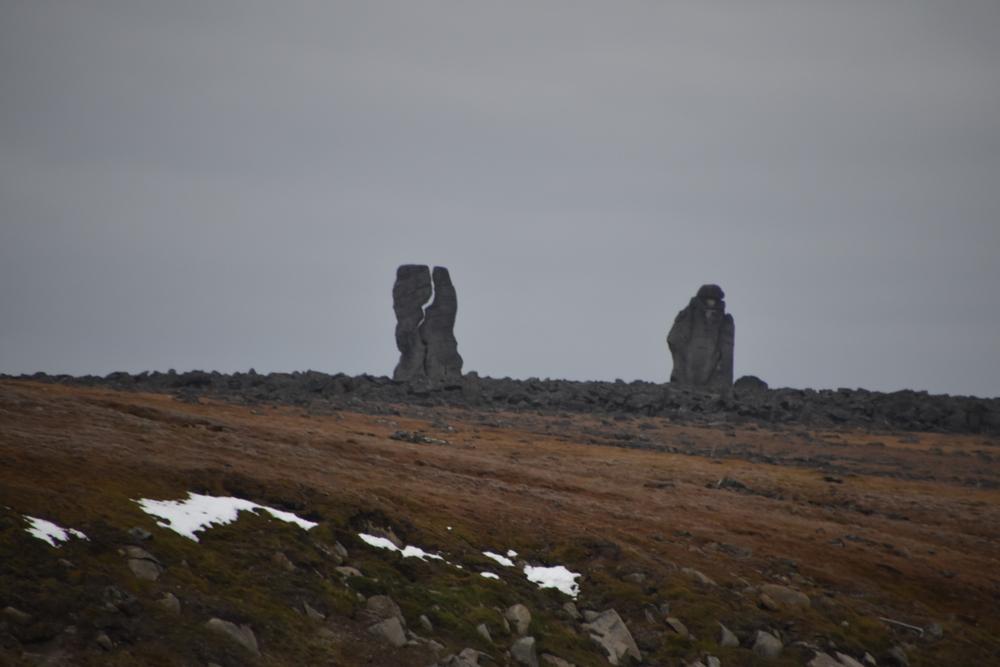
[
  {"x": 425, "y": 623},
  {"x": 340, "y": 550},
  {"x": 484, "y": 632},
  {"x": 170, "y": 602},
  {"x": 589, "y": 615},
  {"x": 785, "y": 597},
  {"x": 442, "y": 361},
  {"x": 410, "y": 293},
  {"x": 750, "y": 383},
  {"x": 712, "y": 661},
  {"x": 701, "y": 342},
  {"x": 727, "y": 639},
  {"x": 348, "y": 571},
  {"x": 425, "y": 333},
  {"x": 767, "y": 645},
  {"x": 382, "y": 607},
  {"x": 823, "y": 660},
  {"x": 698, "y": 576},
  {"x": 104, "y": 642},
  {"x": 466, "y": 658},
  {"x": 520, "y": 617},
  {"x": 241, "y": 634},
  {"x": 609, "y": 630},
  {"x": 555, "y": 661},
  {"x": 847, "y": 661},
  {"x": 144, "y": 569},
  {"x": 523, "y": 652},
  {"x": 677, "y": 626},
  {"x": 391, "y": 630}
]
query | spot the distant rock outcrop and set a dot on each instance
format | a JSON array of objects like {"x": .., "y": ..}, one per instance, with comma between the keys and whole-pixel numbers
[
  {"x": 701, "y": 342},
  {"x": 412, "y": 290},
  {"x": 441, "y": 358},
  {"x": 425, "y": 333}
]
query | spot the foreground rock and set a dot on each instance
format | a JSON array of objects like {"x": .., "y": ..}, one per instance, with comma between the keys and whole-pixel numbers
[
  {"x": 609, "y": 630},
  {"x": 701, "y": 342},
  {"x": 241, "y": 634},
  {"x": 523, "y": 652},
  {"x": 767, "y": 645}
]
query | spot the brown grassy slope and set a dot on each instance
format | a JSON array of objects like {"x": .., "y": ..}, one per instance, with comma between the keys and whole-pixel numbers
[{"x": 829, "y": 515}]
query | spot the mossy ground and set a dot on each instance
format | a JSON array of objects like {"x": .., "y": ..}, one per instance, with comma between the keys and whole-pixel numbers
[{"x": 81, "y": 457}]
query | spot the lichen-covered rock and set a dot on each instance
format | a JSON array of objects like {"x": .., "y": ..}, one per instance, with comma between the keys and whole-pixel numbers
[{"x": 701, "y": 342}]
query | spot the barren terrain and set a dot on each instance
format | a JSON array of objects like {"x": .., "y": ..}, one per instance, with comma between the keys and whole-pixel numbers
[{"x": 687, "y": 524}]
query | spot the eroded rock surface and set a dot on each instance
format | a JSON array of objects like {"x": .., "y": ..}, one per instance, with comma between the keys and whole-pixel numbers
[
  {"x": 425, "y": 333},
  {"x": 411, "y": 291},
  {"x": 701, "y": 341}
]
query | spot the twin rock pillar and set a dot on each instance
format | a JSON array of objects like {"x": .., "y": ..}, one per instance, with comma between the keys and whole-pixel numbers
[{"x": 425, "y": 333}]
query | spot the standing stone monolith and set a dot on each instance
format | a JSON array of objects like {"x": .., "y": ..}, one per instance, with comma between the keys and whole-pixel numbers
[
  {"x": 441, "y": 358},
  {"x": 409, "y": 294},
  {"x": 701, "y": 342},
  {"x": 425, "y": 334}
]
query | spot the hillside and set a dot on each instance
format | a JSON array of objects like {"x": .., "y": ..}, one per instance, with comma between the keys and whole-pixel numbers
[{"x": 814, "y": 531}]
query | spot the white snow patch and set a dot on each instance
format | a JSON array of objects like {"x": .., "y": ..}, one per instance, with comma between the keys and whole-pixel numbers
[
  {"x": 554, "y": 577},
  {"x": 449, "y": 527},
  {"x": 378, "y": 542},
  {"x": 416, "y": 552},
  {"x": 511, "y": 553},
  {"x": 408, "y": 551},
  {"x": 50, "y": 532},
  {"x": 489, "y": 575},
  {"x": 199, "y": 512},
  {"x": 503, "y": 560}
]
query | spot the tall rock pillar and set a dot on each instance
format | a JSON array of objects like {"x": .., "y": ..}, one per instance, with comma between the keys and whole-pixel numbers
[
  {"x": 425, "y": 333},
  {"x": 701, "y": 342}
]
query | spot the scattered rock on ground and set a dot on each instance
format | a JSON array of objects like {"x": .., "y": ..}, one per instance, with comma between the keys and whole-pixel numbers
[
  {"x": 823, "y": 660},
  {"x": 698, "y": 576},
  {"x": 170, "y": 602},
  {"x": 784, "y": 596},
  {"x": 555, "y": 661},
  {"x": 677, "y": 626},
  {"x": 523, "y": 652},
  {"x": 767, "y": 645},
  {"x": 241, "y": 634},
  {"x": 390, "y": 630},
  {"x": 609, "y": 630},
  {"x": 520, "y": 617},
  {"x": 484, "y": 632},
  {"x": 727, "y": 639},
  {"x": 382, "y": 607}
]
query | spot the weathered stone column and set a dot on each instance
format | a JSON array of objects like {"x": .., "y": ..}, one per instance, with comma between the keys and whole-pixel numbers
[
  {"x": 409, "y": 294},
  {"x": 701, "y": 342},
  {"x": 425, "y": 334}
]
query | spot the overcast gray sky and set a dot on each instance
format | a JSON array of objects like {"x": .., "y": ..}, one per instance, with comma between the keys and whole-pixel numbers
[{"x": 226, "y": 185}]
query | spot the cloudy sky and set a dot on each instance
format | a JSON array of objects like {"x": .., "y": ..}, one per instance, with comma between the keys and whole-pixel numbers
[{"x": 226, "y": 185}]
